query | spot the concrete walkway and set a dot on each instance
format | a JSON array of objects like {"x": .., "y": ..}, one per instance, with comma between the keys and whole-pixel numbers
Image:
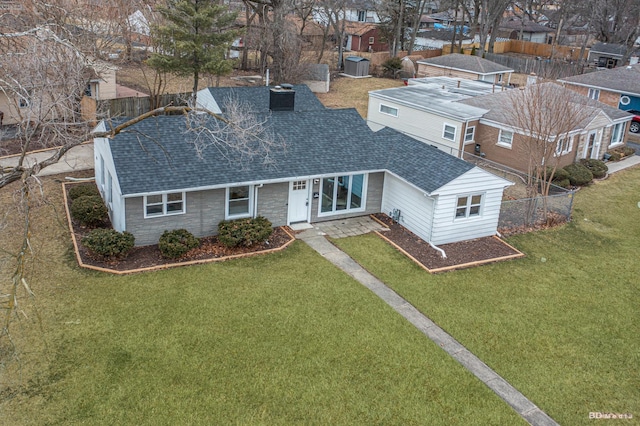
[
  {"x": 616, "y": 166},
  {"x": 525, "y": 408},
  {"x": 77, "y": 158}
]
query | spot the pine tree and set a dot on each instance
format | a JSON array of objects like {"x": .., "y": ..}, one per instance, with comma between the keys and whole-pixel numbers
[{"x": 193, "y": 38}]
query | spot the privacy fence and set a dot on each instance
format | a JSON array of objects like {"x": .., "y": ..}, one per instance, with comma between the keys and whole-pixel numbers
[
  {"x": 520, "y": 211},
  {"x": 133, "y": 107}
]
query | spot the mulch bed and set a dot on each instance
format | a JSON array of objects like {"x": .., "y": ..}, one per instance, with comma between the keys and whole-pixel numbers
[
  {"x": 149, "y": 257},
  {"x": 459, "y": 255}
]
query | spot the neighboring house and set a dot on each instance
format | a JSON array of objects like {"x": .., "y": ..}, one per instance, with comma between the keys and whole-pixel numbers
[
  {"x": 618, "y": 87},
  {"x": 464, "y": 116},
  {"x": 470, "y": 67},
  {"x": 428, "y": 110},
  {"x": 361, "y": 11},
  {"x": 437, "y": 39},
  {"x": 607, "y": 55},
  {"x": 517, "y": 29},
  {"x": 333, "y": 167},
  {"x": 102, "y": 84},
  {"x": 363, "y": 37},
  {"x": 498, "y": 139}
]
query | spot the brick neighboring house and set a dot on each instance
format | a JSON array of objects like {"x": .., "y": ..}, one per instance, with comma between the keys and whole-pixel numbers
[
  {"x": 470, "y": 67},
  {"x": 617, "y": 87},
  {"x": 462, "y": 116},
  {"x": 364, "y": 37}
]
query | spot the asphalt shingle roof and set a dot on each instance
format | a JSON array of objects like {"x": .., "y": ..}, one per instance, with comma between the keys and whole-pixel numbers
[
  {"x": 472, "y": 63},
  {"x": 155, "y": 155},
  {"x": 258, "y": 97},
  {"x": 622, "y": 79}
]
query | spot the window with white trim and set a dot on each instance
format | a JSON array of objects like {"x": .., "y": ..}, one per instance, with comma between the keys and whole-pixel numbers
[
  {"x": 386, "y": 109},
  {"x": 239, "y": 201},
  {"x": 164, "y": 204},
  {"x": 469, "y": 134},
  {"x": 468, "y": 206},
  {"x": 372, "y": 40},
  {"x": 594, "y": 93},
  {"x": 340, "y": 194},
  {"x": 564, "y": 146},
  {"x": 449, "y": 132},
  {"x": 505, "y": 138},
  {"x": 617, "y": 133}
]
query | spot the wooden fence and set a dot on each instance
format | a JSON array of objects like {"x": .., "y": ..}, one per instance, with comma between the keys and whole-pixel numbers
[
  {"x": 132, "y": 107},
  {"x": 545, "y": 68},
  {"x": 542, "y": 50}
]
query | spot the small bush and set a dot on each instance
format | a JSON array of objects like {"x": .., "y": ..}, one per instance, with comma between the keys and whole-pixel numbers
[
  {"x": 89, "y": 210},
  {"x": 109, "y": 243},
  {"x": 392, "y": 66},
  {"x": 246, "y": 232},
  {"x": 579, "y": 175},
  {"x": 78, "y": 191},
  {"x": 173, "y": 244},
  {"x": 597, "y": 167},
  {"x": 617, "y": 154}
]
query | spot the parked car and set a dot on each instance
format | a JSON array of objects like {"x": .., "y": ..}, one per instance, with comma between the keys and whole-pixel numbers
[{"x": 635, "y": 121}]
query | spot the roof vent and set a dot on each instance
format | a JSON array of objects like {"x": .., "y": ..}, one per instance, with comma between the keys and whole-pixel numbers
[{"x": 282, "y": 98}]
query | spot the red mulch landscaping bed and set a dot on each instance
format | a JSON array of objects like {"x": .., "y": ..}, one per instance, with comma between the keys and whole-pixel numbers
[
  {"x": 149, "y": 256},
  {"x": 462, "y": 254}
]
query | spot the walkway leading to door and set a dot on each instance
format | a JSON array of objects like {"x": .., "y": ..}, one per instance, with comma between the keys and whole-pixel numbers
[{"x": 525, "y": 408}]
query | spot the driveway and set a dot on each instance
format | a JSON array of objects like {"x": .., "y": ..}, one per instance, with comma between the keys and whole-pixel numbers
[{"x": 77, "y": 158}]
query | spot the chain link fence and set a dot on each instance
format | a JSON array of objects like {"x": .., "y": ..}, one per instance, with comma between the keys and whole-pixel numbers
[{"x": 519, "y": 211}]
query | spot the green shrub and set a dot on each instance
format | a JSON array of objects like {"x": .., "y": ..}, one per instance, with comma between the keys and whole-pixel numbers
[
  {"x": 392, "y": 66},
  {"x": 77, "y": 191},
  {"x": 579, "y": 175},
  {"x": 597, "y": 167},
  {"x": 109, "y": 243},
  {"x": 173, "y": 244},
  {"x": 89, "y": 210},
  {"x": 246, "y": 232}
]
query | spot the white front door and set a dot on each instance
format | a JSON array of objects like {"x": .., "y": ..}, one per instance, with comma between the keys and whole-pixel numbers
[
  {"x": 298, "y": 201},
  {"x": 592, "y": 146}
]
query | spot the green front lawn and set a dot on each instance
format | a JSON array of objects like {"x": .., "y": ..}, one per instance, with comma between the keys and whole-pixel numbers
[
  {"x": 284, "y": 338},
  {"x": 563, "y": 324}
]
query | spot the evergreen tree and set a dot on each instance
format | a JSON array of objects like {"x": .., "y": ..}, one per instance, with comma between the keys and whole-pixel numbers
[{"x": 193, "y": 38}]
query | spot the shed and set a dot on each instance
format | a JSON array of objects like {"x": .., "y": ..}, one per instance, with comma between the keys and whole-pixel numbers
[{"x": 356, "y": 66}]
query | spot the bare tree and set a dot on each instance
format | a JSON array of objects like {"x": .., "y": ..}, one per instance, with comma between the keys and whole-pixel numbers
[{"x": 545, "y": 117}]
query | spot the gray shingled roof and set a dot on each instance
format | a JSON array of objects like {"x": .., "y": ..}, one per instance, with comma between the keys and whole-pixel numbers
[
  {"x": 155, "y": 155},
  {"x": 500, "y": 105},
  {"x": 471, "y": 63},
  {"x": 621, "y": 80},
  {"x": 258, "y": 97},
  {"x": 610, "y": 48}
]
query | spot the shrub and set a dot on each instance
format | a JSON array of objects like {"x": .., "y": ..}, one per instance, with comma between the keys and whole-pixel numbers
[
  {"x": 597, "y": 167},
  {"x": 78, "y": 191},
  {"x": 392, "y": 66},
  {"x": 617, "y": 154},
  {"x": 173, "y": 244},
  {"x": 109, "y": 243},
  {"x": 579, "y": 175},
  {"x": 246, "y": 232},
  {"x": 560, "y": 177},
  {"x": 89, "y": 210}
]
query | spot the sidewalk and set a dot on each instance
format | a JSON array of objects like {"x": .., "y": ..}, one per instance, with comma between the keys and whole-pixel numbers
[
  {"x": 77, "y": 158},
  {"x": 524, "y": 407},
  {"x": 616, "y": 166}
]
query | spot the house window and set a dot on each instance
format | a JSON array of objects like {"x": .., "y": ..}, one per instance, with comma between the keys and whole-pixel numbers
[
  {"x": 564, "y": 146},
  {"x": 469, "y": 134},
  {"x": 164, "y": 204},
  {"x": 102, "y": 171},
  {"x": 594, "y": 94},
  {"x": 342, "y": 194},
  {"x": 617, "y": 134},
  {"x": 449, "y": 132},
  {"x": 371, "y": 40},
  {"x": 239, "y": 201},
  {"x": 385, "y": 109},
  {"x": 107, "y": 191},
  {"x": 468, "y": 206},
  {"x": 362, "y": 15},
  {"x": 505, "y": 138}
]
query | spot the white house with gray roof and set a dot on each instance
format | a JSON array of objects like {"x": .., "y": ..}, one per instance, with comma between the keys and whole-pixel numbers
[
  {"x": 469, "y": 67},
  {"x": 334, "y": 166}
]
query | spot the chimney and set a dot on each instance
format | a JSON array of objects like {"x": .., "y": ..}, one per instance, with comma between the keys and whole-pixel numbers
[{"x": 282, "y": 98}]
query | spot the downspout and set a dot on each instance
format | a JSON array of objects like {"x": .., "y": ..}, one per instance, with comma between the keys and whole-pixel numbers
[
  {"x": 255, "y": 199},
  {"x": 442, "y": 253}
]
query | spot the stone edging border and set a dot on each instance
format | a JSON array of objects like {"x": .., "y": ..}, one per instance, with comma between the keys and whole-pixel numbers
[{"x": 158, "y": 267}]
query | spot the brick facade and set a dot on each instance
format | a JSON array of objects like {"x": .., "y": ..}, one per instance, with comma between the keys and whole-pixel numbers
[{"x": 606, "y": 97}]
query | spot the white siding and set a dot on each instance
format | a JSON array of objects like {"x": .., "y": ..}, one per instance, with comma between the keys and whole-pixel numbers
[
  {"x": 448, "y": 229},
  {"x": 418, "y": 124},
  {"x": 416, "y": 209},
  {"x": 101, "y": 150}
]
